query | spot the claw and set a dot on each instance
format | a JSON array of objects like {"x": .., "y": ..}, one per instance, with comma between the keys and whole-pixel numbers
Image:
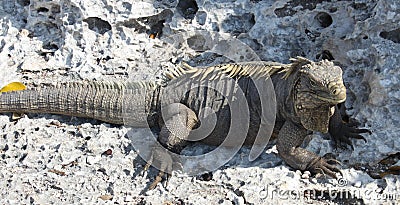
[
  {"x": 341, "y": 173},
  {"x": 320, "y": 170},
  {"x": 325, "y": 168},
  {"x": 148, "y": 164},
  {"x": 157, "y": 180},
  {"x": 333, "y": 161},
  {"x": 331, "y": 170},
  {"x": 331, "y": 174}
]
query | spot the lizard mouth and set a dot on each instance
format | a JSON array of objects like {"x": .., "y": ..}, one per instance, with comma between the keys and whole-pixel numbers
[
  {"x": 337, "y": 100},
  {"x": 325, "y": 99}
]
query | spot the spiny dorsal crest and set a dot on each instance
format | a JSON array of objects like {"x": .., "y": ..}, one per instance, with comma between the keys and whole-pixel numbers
[
  {"x": 255, "y": 69},
  {"x": 296, "y": 65}
]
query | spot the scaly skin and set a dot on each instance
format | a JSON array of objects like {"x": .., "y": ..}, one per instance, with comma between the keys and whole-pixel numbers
[{"x": 307, "y": 94}]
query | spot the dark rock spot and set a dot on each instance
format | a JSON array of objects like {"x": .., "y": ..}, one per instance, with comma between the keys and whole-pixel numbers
[
  {"x": 127, "y": 172},
  {"x": 215, "y": 27},
  {"x": 284, "y": 11},
  {"x": 292, "y": 7},
  {"x": 31, "y": 200},
  {"x": 206, "y": 176},
  {"x": 252, "y": 43},
  {"x": 102, "y": 170},
  {"x": 201, "y": 17},
  {"x": 42, "y": 30},
  {"x": 2, "y": 44},
  {"x": 5, "y": 148},
  {"x": 156, "y": 29},
  {"x": 393, "y": 35},
  {"x": 55, "y": 9},
  {"x": 325, "y": 54},
  {"x": 333, "y": 10},
  {"x": 8, "y": 6},
  {"x": 57, "y": 147},
  {"x": 24, "y": 2},
  {"x": 127, "y": 5},
  {"x": 312, "y": 35},
  {"x": 238, "y": 192},
  {"x": 208, "y": 58},
  {"x": 22, "y": 158},
  {"x": 197, "y": 42},
  {"x": 24, "y": 147},
  {"x": 359, "y": 6},
  {"x": 365, "y": 10},
  {"x": 238, "y": 24},
  {"x": 16, "y": 135},
  {"x": 51, "y": 46},
  {"x": 110, "y": 189},
  {"x": 310, "y": 5},
  {"x": 98, "y": 25},
  {"x": 56, "y": 187},
  {"x": 42, "y": 10},
  {"x": 74, "y": 15},
  {"x": 187, "y": 8},
  {"x": 155, "y": 23},
  {"x": 324, "y": 19},
  {"x": 133, "y": 23}
]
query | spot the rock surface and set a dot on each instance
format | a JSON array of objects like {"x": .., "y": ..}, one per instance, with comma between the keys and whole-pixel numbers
[{"x": 57, "y": 159}]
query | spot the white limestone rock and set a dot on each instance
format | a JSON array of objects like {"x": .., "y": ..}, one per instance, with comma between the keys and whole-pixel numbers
[{"x": 43, "y": 41}]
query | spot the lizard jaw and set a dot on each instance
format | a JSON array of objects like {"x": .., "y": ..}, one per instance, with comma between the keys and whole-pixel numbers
[{"x": 332, "y": 100}]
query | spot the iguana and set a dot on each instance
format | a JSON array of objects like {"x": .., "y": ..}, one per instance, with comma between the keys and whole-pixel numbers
[{"x": 307, "y": 95}]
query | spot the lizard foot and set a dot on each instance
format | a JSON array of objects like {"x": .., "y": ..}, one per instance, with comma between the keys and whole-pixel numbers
[
  {"x": 163, "y": 161},
  {"x": 342, "y": 136},
  {"x": 325, "y": 167}
]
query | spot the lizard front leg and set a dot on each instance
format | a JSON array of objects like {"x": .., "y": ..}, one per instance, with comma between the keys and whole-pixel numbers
[
  {"x": 176, "y": 123},
  {"x": 290, "y": 137},
  {"x": 342, "y": 132}
]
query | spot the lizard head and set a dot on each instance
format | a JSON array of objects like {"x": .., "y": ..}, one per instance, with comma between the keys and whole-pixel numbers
[{"x": 318, "y": 89}]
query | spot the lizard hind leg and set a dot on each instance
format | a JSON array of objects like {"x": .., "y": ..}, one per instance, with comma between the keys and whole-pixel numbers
[{"x": 177, "y": 122}]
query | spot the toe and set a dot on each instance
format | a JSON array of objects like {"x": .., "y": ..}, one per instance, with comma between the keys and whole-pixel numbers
[{"x": 157, "y": 180}]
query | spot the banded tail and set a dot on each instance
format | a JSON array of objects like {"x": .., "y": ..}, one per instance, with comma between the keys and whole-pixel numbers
[{"x": 104, "y": 101}]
